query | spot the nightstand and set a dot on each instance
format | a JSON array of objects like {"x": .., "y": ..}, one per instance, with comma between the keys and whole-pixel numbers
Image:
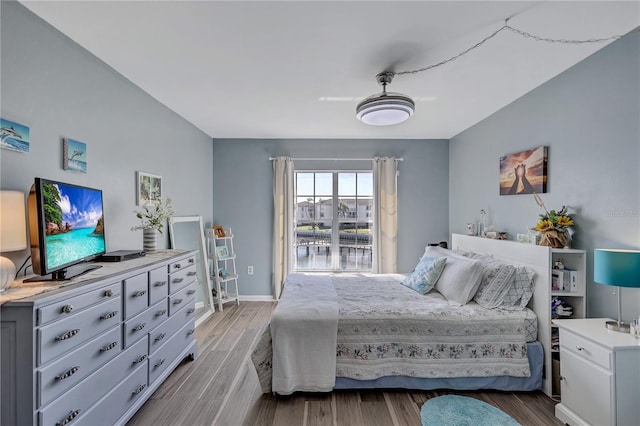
[{"x": 600, "y": 374}]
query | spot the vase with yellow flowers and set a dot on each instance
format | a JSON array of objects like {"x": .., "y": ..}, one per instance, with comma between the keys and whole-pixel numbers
[{"x": 553, "y": 225}]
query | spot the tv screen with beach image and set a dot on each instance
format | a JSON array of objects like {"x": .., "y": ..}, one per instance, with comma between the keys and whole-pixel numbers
[{"x": 74, "y": 223}]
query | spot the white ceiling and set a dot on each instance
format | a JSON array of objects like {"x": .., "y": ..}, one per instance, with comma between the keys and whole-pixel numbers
[{"x": 297, "y": 69}]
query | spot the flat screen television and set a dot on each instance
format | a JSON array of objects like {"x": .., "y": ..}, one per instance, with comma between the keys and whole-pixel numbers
[{"x": 66, "y": 229}]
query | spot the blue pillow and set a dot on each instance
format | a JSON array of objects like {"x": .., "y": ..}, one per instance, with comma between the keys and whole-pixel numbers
[{"x": 426, "y": 274}]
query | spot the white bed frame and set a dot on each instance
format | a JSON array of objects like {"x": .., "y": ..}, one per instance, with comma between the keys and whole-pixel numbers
[{"x": 535, "y": 257}]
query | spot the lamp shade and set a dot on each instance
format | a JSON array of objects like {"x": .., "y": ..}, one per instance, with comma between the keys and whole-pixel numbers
[
  {"x": 616, "y": 267},
  {"x": 13, "y": 228}
]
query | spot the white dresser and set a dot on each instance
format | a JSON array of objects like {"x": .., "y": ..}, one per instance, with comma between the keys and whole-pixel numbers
[
  {"x": 600, "y": 374},
  {"x": 93, "y": 351}
]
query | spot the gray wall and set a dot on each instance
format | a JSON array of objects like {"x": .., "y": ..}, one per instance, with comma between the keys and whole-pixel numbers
[
  {"x": 589, "y": 118},
  {"x": 243, "y": 195},
  {"x": 60, "y": 90}
]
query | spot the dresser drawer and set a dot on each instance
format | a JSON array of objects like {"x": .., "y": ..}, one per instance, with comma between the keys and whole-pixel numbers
[
  {"x": 63, "y": 335},
  {"x": 585, "y": 349},
  {"x": 138, "y": 327},
  {"x": 181, "y": 298},
  {"x": 79, "y": 399},
  {"x": 136, "y": 295},
  {"x": 62, "y": 374},
  {"x": 181, "y": 264},
  {"x": 167, "y": 353},
  {"x": 72, "y": 305},
  {"x": 168, "y": 328},
  {"x": 109, "y": 409},
  {"x": 182, "y": 278},
  {"x": 158, "y": 284}
]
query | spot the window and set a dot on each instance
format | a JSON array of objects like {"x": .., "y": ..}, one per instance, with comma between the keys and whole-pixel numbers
[{"x": 333, "y": 221}]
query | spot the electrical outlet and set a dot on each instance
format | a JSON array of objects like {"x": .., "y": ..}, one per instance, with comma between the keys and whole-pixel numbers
[{"x": 250, "y": 270}]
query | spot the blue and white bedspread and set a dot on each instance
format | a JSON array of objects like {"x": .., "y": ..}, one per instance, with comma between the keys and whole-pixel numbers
[{"x": 386, "y": 329}]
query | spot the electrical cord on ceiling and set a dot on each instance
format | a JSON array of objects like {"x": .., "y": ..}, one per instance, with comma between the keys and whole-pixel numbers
[{"x": 525, "y": 34}]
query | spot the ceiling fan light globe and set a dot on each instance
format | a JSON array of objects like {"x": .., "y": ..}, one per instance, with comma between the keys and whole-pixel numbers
[{"x": 385, "y": 109}]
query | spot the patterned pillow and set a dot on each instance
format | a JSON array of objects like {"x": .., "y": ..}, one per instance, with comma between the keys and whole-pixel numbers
[
  {"x": 497, "y": 279},
  {"x": 425, "y": 275},
  {"x": 521, "y": 291}
]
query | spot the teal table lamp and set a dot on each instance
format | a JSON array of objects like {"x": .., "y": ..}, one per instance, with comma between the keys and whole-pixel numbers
[{"x": 620, "y": 268}]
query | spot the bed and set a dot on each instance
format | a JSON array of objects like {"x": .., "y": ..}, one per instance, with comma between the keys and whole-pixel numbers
[{"x": 356, "y": 330}]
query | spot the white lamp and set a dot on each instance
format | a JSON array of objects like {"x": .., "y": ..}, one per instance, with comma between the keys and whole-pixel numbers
[{"x": 13, "y": 232}]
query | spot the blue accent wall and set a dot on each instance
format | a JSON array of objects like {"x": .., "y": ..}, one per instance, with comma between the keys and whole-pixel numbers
[
  {"x": 589, "y": 117},
  {"x": 243, "y": 195}
]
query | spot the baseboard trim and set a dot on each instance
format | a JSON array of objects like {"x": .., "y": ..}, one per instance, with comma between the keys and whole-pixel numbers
[{"x": 256, "y": 298}]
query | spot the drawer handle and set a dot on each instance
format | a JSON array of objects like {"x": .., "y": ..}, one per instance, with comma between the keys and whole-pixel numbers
[
  {"x": 72, "y": 415},
  {"x": 177, "y": 266},
  {"x": 68, "y": 335},
  {"x": 140, "y": 359},
  {"x": 160, "y": 283},
  {"x": 177, "y": 301},
  {"x": 109, "y": 315},
  {"x": 67, "y": 309},
  {"x": 70, "y": 372},
  {"x": 190, "y": 311},
  {"x": 192, "y": 273},
  {"x": 160, "y": 337},
  {"x": 580, "y": 348},
  {"x": 139, "y": 389},
  {"x": 190, "y": 332},
  {"x": 139, "y": 327},
  {"x": 190, "y": 292},
  {"x": 178, "y": 280},
  {"x": 159, "y": 363},
  {"x": 109, "y": 347},
  {"x": 108, "y": 293},
  {"x": 139, "y": 293},
  {"x": 563, "y": 378},
  {"x": 161, "y": 312},
  {"x": 192, "y": 260}
]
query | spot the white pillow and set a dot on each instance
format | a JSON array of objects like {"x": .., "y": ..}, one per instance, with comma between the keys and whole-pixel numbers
[{"x": 460, "y": 278}]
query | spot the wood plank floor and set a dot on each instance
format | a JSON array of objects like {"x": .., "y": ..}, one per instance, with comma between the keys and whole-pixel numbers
[{"x": 221, "y": 388}]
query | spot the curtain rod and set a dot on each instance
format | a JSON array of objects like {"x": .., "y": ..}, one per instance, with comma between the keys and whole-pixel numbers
[{"x": 334, "y": 159}]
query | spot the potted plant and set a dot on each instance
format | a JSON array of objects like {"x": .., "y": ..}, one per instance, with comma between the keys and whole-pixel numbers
[
  {"x": 554, "y": 226},
  {"x": 152, "y": 220}
]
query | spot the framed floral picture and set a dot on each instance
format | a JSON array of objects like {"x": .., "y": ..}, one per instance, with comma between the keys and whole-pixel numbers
[
  {"x": 148, "y": 189},
  {"x": 524, "y": 172}
]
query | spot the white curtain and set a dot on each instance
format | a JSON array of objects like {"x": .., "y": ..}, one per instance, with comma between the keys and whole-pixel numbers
[
  {"x": 283, "y": 212},
  {"x": 385, "y": 189}
]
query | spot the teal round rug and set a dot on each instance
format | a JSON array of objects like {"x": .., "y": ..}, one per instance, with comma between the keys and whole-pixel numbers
[{"x": 456, "y": 410}]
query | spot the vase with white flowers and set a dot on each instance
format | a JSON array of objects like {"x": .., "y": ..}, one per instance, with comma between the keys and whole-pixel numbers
[{"x": 152, "y": 220}]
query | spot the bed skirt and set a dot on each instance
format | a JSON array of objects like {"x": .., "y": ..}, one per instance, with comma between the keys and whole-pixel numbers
[{"x": 535, "y": 354}]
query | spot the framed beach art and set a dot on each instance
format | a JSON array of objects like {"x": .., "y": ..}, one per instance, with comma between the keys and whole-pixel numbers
[
  {"x": 149, "y": 189},
  {"x": 524, "y": 172},
  {"x": 74, "y": 156},
  {"x": 14, "y": 136}
]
